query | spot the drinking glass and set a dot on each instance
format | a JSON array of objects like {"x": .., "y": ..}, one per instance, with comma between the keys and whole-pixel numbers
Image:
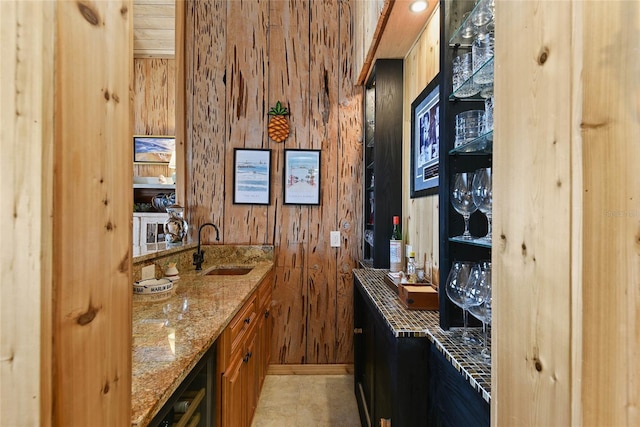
[
  {"x": 462, "y": 199},
  {"x": 483, "y": 196},
  {"x": 482, "y": 52},
  {"x": 481, "y": 307},
  {"x": 457, "y": 285}
]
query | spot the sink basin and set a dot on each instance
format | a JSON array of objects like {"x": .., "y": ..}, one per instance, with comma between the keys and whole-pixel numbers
[{"x": 228, "y": 271}]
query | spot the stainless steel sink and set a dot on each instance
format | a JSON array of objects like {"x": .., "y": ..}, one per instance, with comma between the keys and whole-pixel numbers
[{"x": 228, "y": 271}]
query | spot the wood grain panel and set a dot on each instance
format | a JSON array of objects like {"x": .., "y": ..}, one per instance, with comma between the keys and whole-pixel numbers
[
  {"x": 206, "y": 119},
  {"x": 26, "y": 119},
  {"x": 349, "y": 196},
  {"x": 289, "y": 306},
  {"x": 154, "y": 96},
  {"x": 321, "y": 258},
  {"x": 294, "y": 52},
  {"x": 288, "y": 229},
  {"x": 531, "y": 382},
  {"x": 606, "y": 127},
  {"x": 422, "y": 63},
  {"x": 288, "y": 79},
  {"x": 246, "y": 97},
  {"x": 92, "y": 214},
  {"x": 154, "y": 28}
]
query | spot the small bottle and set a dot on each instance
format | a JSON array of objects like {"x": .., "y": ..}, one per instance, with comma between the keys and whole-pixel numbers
[
  {"x": 411, "y": 268},
  {"x": 395, "y": 247}
]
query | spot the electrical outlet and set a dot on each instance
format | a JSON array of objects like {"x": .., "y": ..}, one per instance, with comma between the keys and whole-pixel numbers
[
  {"x": 149, "y": 272},
  {"x": 335, "y": 239}
]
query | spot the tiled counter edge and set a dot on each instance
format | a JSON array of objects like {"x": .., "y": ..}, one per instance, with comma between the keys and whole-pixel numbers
[{"x": 422, "y": 323}]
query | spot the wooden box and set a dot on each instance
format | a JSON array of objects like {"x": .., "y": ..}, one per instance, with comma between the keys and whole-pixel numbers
[{"x": 418, "y": 297}]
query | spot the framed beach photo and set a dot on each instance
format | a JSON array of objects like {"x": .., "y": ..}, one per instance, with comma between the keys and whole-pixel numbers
[
  {"x": 301, "y": 177},
  {"x": 153, "y": 149},
  {"x": 425, "y": 140},
  {"x": 251, "y": 176}
]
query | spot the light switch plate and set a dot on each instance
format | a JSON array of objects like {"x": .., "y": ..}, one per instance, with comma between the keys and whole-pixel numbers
[
  {"x": 149, "y": 272},
  {"x": 335, "y": 239}
]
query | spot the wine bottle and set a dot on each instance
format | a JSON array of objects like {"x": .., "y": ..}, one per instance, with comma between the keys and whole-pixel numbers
[{"x": 395, "y": 247}]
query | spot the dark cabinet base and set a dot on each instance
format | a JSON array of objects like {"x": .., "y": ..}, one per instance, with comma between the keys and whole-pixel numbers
[{"x": 407, "y": 380}]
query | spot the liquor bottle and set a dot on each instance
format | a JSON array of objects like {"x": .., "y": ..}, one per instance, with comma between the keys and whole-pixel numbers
[
  {"x": 411, "y": 268},
  {"x": 395, "y": 247}
]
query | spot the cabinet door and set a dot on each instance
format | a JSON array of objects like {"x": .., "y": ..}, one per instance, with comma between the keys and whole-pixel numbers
[
  {"x": 251, "y": 380},
  {"x": 233, "y": 410}
]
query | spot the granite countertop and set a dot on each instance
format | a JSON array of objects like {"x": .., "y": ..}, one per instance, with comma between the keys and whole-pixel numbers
[
  {"x": 172, "y": 332},
  {"x": 422, "y": 323}
]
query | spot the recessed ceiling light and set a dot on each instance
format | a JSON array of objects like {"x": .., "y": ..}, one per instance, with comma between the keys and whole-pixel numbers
[{"x": 418, "y": 6}]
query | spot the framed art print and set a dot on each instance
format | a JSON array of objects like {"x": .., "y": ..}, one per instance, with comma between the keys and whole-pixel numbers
[
  {"x": 301, "y": 177},
  {"x": 251, "y": 176}
]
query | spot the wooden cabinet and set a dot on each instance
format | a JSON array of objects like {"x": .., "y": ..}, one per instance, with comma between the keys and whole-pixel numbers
[
  {"x": 244, "y": 356},
  {"x": 405, "y": 381},
  {"x": 382, "y": 159},
  {"x": 390, "y": 372}
]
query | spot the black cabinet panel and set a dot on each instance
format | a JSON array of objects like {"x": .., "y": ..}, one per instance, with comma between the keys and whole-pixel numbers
[
  {"x": 383, "y": 157},
  {"x": 453, "y": 402}
]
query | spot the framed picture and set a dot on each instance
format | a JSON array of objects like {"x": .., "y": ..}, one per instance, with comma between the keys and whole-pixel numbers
[
  {"x": 301, "y": 177},
  {"x": 153, "y": 149},
  {"x": 425, "y": 140},
  {"x": 251, "y": 176}
]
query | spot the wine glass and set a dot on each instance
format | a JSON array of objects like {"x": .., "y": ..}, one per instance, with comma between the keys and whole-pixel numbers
[
  {"x": 462, "y": 199},
  {"x": 481, "y": 309},
  {"x": 483, "y": 196},
  {"x": 456, "y": 288}
]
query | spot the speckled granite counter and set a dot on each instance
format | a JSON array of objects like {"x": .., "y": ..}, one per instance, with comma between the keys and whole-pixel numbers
[
  {"x": 172, "y": 332},
  {"x": 418, "y": 323}
]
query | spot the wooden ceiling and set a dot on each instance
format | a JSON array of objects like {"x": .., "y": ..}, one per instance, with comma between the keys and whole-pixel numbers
[
  {"x": 154, "y": 25},
  {"x": 398, "y": 28}
]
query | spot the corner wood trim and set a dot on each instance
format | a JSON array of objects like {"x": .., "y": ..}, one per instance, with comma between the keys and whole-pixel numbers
[{"x": 310, "y": 369}]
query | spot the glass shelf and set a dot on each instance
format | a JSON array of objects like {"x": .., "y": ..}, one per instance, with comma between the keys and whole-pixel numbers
[
  {"x": 484, "y": 90},
  {"x": 370, "y": 165},
  {"x": 370, "y": 144},
  {"x": 477, "y": 241},
  {"x": 480, "y": 19},
  {"x": 481, "y": 145}
]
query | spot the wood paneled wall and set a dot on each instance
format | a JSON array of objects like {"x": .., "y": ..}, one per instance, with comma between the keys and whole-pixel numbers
[
  {"x": 26, "y": 142},
  {"x": 420, "y": 222},
  {"x": 154, "y": 105},
  {"x": 240, "y": 58},
  {"x": 66, "y": 295},
  {"x": 566, "y": 296}
]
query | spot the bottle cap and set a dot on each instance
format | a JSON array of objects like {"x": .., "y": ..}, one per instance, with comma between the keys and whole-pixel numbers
[
  {"x": 412, "y": 254},
  {"x": 396, "y": 220}
]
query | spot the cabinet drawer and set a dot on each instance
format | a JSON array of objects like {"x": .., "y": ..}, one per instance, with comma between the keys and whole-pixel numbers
[{"x": 241, "y": 323}]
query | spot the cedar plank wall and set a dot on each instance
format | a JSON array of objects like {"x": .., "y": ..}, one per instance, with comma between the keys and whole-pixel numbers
[
  {"x": 565, "y": 259},
  {"x": 242, "y": 57},
  {"x": 154, "y": 105},
  {"x": 421, "y": 226}
]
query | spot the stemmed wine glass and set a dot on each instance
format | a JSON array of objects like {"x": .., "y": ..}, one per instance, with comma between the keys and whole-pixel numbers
[
  {"x": 483, "y": 195},
  {"x": 458, "y": 282},
  {"x": 481, "y": 309},
  {"x": 462, "y": 199}
]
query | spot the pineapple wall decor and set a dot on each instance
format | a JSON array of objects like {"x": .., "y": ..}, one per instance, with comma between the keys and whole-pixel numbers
[{"x": 278, "y": 123}]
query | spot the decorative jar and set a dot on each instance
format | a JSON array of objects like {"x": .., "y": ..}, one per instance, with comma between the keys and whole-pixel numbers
[{"x": 175, "y": 227}]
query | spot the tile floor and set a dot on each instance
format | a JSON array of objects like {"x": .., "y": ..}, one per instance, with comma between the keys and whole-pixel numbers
[{"x": 307, "y": 401}]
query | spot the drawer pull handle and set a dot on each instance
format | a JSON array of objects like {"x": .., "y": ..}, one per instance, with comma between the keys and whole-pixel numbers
[
  {"x": 357, "y": 331},
  {"x": 266, "y": 314},
  {"x": 247, "y": 320}
]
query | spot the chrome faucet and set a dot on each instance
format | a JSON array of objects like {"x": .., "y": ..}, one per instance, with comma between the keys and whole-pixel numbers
[{"x": 198, "y": 256}]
